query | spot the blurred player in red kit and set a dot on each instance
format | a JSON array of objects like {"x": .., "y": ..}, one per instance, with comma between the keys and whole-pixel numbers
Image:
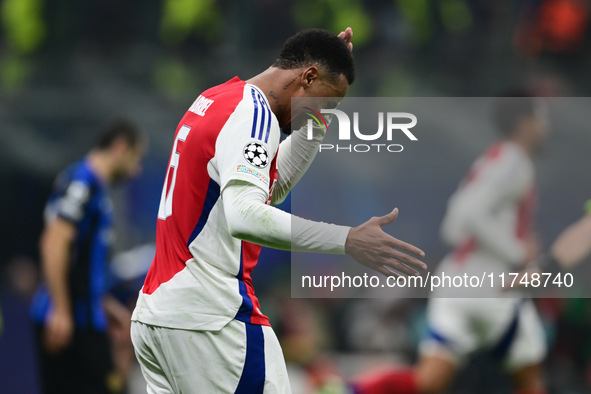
[{"x": 488, "y": 222}]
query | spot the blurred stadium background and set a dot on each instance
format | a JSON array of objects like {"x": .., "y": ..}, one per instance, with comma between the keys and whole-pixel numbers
[{"x": 68, "y": 66}]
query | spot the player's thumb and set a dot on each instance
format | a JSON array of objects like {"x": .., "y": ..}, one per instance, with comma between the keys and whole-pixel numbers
[{"x": 387, "y": 219}]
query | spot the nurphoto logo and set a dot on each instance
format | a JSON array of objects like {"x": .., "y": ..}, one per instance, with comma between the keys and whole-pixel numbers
[{"x": 397, "y": 124}]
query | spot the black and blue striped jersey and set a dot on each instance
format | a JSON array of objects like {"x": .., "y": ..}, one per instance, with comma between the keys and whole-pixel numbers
[{"x": 80, "y": 197}]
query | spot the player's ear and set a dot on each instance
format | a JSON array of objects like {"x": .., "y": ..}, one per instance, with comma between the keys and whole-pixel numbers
[{"x": 309, "y": 76}]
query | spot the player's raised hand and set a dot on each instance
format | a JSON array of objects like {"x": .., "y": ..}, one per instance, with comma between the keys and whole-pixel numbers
[
  {"x": 347, "y": 35},
  {"x": 369, "y": 245}
]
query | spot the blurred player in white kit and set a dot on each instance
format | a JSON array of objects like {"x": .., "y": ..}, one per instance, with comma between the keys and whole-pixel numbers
[{"x": 488, "y": 222}]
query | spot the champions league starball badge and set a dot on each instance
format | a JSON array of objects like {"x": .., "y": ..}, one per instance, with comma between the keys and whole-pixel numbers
[{"x": 256, "y": 154}]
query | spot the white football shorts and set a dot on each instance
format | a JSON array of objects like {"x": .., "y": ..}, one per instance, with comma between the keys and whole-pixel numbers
[
  {"x": 508, "y": 328},
  {"x": 239, "y": 358}
]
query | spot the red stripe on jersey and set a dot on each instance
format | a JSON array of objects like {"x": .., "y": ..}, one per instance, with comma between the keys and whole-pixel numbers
[
  {"x": 251, "y": 308},
  {"x": 525, "y": 214},
  {"x": 491, "y": 154},
  {"x": 494, "y": 152},
  {"x": 462, "y": 252},
  {"x": 192, "y": 182},
  {"x": 250, "y": 311}
]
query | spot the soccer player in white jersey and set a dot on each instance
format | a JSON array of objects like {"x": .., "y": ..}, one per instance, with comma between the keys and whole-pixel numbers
[
  {"x": 488, "y": 223},
  {"x": 198, "y": 326}
]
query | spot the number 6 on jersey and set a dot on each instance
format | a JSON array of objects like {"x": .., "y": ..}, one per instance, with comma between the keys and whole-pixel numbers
[{"x": 165, "y": 208}]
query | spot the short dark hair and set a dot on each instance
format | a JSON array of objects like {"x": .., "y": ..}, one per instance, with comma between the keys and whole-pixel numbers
[
  {"x": 512, "y": 106},
  {"x": 118, "y": 128},
  {"x": 317, "y": 47}
]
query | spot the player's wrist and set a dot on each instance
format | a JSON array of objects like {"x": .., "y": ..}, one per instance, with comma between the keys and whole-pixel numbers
[
  {"x": 61, "y": 307},
  {"x": 349, "y": 245}
]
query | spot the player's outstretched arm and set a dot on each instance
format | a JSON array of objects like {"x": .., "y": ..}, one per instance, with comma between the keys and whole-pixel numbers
[
  {"x": 574, "y": 243},
  {"x": 369, "y": 245},
  {"x": 250, "y": 219}
]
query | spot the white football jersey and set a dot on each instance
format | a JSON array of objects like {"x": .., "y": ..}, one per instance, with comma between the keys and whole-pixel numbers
[
  {"x": 200, "y": 277},
  {"x": 489, "y": 216}
]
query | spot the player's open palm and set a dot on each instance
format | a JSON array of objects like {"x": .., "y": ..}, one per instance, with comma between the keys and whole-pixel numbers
[{"x": 369, "y": 245}]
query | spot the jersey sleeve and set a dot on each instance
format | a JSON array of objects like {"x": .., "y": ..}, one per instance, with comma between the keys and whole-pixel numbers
[
  {"x": 248, "y": 143},
  {"x": 72, "y": 199},
  {"x": 250, "y": 219}
]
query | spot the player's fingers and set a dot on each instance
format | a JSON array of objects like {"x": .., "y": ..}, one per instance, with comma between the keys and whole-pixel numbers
[
  {"x": 384, "y": 270},
  {"x": 406, "y": 247},
  {"x": 396, "y": 258},
  {"x": 401, "y": 267},
  {"x": 348, "y": 34},
  {"x": 409, "y": 260},
  {"x": 388, "y": 218}
]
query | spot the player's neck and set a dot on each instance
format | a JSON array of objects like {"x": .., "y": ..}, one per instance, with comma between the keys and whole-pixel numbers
[
  {"x": 100, "y": 164},
  {"x": 524, "y": 144},
  {"x": 277, "y": 84}
]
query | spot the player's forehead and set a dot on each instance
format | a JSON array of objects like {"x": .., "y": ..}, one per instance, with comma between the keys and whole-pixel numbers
[
  {"x": 338, "y": 86},
  {"x": 333, "y": 91}
]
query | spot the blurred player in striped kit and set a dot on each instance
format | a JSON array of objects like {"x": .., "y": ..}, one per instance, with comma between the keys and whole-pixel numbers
[
  {"x": 72, "y": 310},
  {"x": 488, "y": 223}
]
